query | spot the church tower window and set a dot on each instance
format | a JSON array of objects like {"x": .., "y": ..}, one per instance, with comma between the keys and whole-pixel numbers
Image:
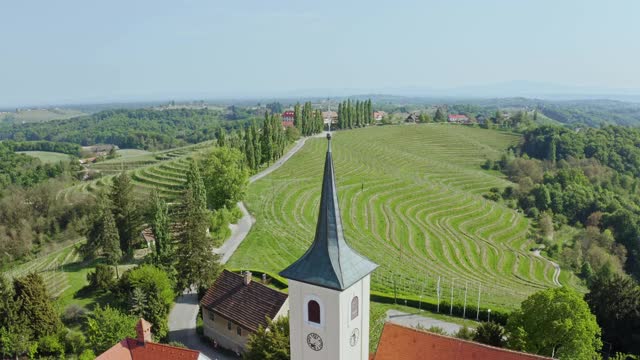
[
  {"x": 313, "y": 311},
  {"x": 354, "y": 307}
]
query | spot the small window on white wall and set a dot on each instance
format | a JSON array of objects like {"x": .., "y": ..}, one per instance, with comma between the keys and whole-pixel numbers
[
  {"x": 313, "y": 311},
  {"x": 354, "y": 307}
]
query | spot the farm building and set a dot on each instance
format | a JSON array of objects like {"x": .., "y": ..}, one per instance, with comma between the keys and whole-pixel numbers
[
  {"x": 458, "y": 118},
  {"x": 330, "y": 117},
  {"x": 403, "y": 343},
  {"x": 235, "y": 306},
  {"x": 142, "y": 348},
  {"x": 378, "y": 115},
  {"x": 412, "y": 118}
]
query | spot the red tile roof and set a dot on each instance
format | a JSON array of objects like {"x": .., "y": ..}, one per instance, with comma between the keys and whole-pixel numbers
[
  {"x": 458, "y": 117},
  {"x": 403, "y": 343},
  {"x": 130, "y": 349},
  {"x": 246, "y": 305}
]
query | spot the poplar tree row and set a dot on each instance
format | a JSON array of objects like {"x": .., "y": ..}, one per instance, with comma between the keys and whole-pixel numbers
[
  {"x": 260, "y": 145},
  {"x": 354, "y": 114},
  {"x": 307, "y": 120}
]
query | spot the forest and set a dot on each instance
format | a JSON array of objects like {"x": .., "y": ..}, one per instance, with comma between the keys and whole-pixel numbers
[{"x": 133, "y": 129}]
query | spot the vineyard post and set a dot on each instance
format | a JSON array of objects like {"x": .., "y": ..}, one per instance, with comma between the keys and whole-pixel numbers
[
  {"x": 478, "y": 311},
  {"x": 464, "y": 308},
  {"x": 395, "y": 293},
  {"x": 438, "y": 292},
  {"x": 451, "y": 305}
]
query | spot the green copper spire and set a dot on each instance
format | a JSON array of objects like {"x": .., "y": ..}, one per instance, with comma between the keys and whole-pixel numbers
[{"x": 329, "y": 262}]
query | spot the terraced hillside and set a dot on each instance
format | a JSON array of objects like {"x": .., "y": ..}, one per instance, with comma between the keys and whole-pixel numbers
[
  {"x": 51, "y": 268},
  {"x": 411, "y": 200},
  {"x": 163, "y": 171}
]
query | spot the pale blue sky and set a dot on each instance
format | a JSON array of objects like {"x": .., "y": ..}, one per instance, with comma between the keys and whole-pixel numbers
[{"x": 79, "y": 51}]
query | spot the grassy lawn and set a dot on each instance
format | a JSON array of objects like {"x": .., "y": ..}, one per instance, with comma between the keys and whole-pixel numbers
[
  {"x": 411, "y": 200},
  {"x": 47, "y": 156}
]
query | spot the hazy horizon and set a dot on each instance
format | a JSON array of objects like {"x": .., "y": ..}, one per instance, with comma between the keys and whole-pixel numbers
[{"x": 72, "y": 52}]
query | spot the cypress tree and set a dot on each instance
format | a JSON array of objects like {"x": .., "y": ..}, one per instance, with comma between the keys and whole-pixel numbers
[
  {"x": 296, "y": 115},
  {"x": 349, "y": 113},
  {"x": 124, "y": 211},
  {"x": 340, "y": 117},
  {"x": 257, "y": 152},
  {"x": 265, "y": 143},
  {"x": 111, "y": 241},
  {"x": 249, "y": 150},
  {"x": 160, "y": 226}
]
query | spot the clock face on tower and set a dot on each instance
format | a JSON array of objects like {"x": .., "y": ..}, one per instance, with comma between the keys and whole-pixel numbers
[
  {"x": 314, "y": 341},
  {"x": 355, "y": 335}
]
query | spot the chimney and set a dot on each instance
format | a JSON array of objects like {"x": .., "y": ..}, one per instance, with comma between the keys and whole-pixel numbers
[
  {"x": 247, "y": 277},
  {"x": 143, "y": 331},
  {"x": 264, "y": 278}
]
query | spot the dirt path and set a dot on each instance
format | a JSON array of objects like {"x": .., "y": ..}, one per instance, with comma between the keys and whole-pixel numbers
[{"x": 556, "y": 273}]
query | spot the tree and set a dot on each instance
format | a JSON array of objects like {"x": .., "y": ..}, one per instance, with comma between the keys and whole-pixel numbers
[
  {"x": 36, "y": 306},
  {"x": 489, "y": 333},
  {"x": 151, "y": 294},
  {"x": 110, "y": 241},
  {"x": 555, "y": 322},
  {"x": 15, "y": 333},
  {"x": 107, "y": 326},
  {"x": 160, "y": 226},
  {"x": 440, "y": 116},
  {"x": 102, "y": 278},
  {"x": 195, "y": 262},
  {"x": 266, "y": 142},
  {"x": 124, "y": 211},
  {"x": 615, "y": 301},
  {"x": 270, "y": 343},
  {"x": 225, "y": 178}
]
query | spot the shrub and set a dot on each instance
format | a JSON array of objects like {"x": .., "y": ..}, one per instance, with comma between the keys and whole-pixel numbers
[
  {"x": 102, "y": 278},
  {"x": 465, "y": 333},
  {"x": 490, "y": 333},
  {"x": 75, "y": 342},
  {"x": 73, "y": 313}
]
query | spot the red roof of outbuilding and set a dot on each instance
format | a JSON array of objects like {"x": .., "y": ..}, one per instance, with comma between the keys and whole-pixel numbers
[
  {"x": 403, "y": 343},
  {"x": 130, "y": 349}
]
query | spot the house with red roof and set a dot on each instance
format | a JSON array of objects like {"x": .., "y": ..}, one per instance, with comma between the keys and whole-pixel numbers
[
  {"x": 143, "y": 348},
  {"x": 234, "y": 307},
  {"x": 404, "y": 343},
  {"x": 458, "y": 119}
]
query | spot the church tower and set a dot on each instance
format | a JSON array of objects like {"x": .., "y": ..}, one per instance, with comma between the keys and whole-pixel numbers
[{"x": 329, "y": 288}]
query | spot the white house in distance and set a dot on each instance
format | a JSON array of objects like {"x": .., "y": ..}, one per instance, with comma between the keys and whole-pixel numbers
[
  {"x": 235, "y": 306},
  {"x": 329, "y": 288}
]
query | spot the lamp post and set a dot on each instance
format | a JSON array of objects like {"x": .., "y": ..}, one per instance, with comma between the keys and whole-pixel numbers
[{"x": 489, "y": 315}]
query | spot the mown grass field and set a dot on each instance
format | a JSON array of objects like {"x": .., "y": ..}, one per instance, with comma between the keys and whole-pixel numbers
[
  {"x": 411, "y": 200},
  {"x": 47, "y": 156}
]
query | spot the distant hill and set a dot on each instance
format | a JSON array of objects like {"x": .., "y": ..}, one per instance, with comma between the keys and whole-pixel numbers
[{"x": 38, "y": 115}]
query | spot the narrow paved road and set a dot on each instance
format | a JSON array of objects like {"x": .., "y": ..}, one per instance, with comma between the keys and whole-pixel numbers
[
  {"x": 415, "y": 319},
  {"x": 182, "y": 319}
]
